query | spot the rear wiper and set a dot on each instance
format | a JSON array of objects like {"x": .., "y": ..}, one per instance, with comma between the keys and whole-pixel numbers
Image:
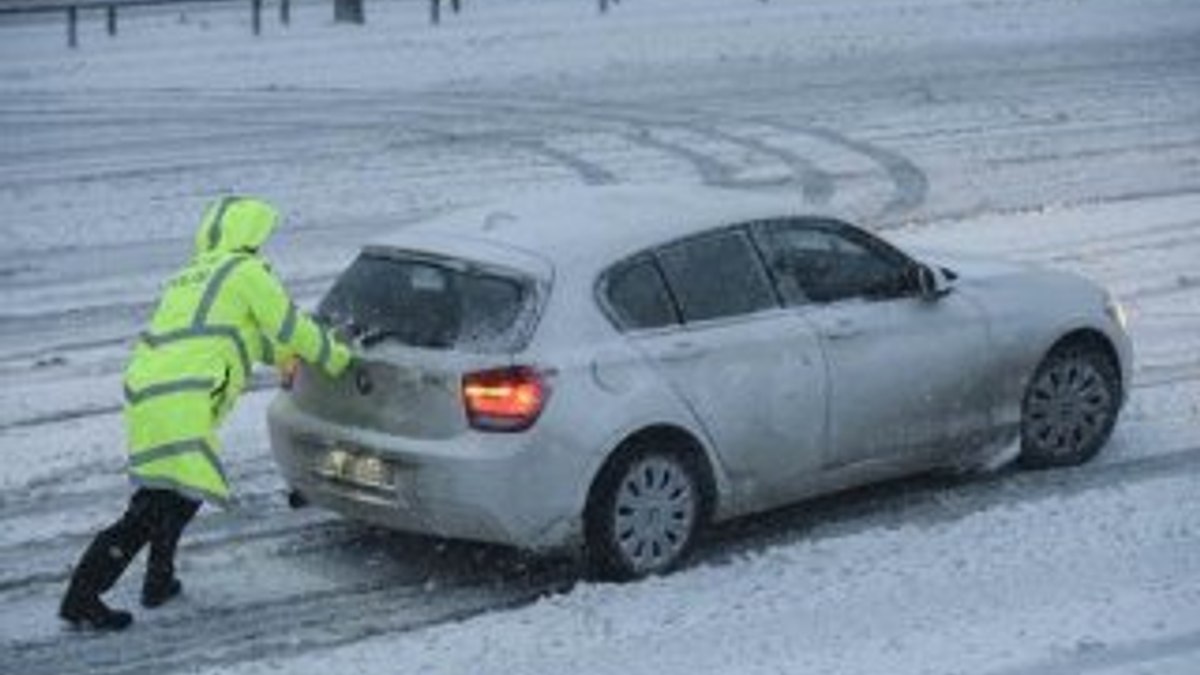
[
  {"x": 373, "y": 336},
  {"x": 370, "y": 336},
  {"x": 357, "y": 333}
]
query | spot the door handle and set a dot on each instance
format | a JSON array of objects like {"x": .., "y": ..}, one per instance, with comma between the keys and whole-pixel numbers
[
  {"x": 683, "y": 351},
  {"x": 843, "y": 329}
]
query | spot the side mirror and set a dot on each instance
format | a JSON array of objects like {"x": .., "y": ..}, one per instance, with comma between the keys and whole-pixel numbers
[{"x": 932, "y": 282}]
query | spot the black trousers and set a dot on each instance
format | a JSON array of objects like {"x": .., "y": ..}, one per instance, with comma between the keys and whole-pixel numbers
[{"x": 154, "y": 517}]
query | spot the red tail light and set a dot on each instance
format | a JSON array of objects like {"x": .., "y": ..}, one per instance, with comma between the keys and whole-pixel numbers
[{"x": 505, "y": 399}]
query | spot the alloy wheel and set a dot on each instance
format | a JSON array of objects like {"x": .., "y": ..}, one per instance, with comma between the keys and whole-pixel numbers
[
  {"x": 654, "y": 514},
  {"x": 1069, "y": 410}
]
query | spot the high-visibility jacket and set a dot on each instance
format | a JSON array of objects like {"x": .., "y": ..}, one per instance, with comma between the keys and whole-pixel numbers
[{"x": 218, "y": 316}]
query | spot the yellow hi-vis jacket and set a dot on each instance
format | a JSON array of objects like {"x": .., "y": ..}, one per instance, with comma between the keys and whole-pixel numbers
[{"x": 218, "y": 316}]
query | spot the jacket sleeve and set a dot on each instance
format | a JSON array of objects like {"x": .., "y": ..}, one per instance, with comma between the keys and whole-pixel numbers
[
  {"x": 289, "y": 329},
  {"x": 273, "y": 353}
]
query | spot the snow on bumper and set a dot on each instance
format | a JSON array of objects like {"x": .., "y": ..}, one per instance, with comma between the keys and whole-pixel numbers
[{"x": 495, "y": 488}]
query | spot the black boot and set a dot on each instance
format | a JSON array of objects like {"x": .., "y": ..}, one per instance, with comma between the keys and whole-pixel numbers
[
  {"x": 156, "y": 594},
  {"x": 92, "y": 613},
  {"x": 98, "y": 570},
  {"x": 172, "y": 514}
]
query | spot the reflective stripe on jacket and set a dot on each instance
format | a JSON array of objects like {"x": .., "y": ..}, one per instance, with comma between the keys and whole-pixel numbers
[{"x": 218, "y": 316}]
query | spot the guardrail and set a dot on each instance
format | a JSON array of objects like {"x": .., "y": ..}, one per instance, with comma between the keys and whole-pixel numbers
[
  {"x": 344, "y": 11},
  {"x": 72, "y": 8}
]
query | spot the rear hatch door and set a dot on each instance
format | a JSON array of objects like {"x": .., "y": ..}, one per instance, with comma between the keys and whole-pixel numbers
[{"x": 421, "y": 321}]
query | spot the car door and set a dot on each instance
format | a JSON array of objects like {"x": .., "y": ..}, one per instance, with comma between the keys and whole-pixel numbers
[
  {"x": 750, "y": 371},
  {"x": 907, "y": 377}
]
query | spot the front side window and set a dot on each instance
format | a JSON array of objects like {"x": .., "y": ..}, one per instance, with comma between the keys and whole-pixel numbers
[
  {"x": 820, "y": 262},
  {"x": 638, "y": 296},
  {"x": 716, "y": 275}
]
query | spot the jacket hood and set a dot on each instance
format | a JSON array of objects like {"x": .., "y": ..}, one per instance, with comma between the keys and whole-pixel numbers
[{"x": 236, "y": 223}]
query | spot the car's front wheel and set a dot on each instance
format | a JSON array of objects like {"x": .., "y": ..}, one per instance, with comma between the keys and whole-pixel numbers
[
  {"x": 1070, "y": 407},
  {"x": 644, "y": 513}
]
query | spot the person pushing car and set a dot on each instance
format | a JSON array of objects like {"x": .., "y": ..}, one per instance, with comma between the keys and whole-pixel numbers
[{"x": 219, "y": 315}]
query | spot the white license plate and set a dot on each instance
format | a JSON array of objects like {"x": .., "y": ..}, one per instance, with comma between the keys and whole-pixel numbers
[{"x": 355, "y": 468}]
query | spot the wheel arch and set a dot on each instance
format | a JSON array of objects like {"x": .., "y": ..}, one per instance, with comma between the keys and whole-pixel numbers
[
  {"x": 676, "y": 439},
  {"x": 1093, "y": 339},
  {"x": 601, "y": 551},
  {"x": 1042, "y": 451}
]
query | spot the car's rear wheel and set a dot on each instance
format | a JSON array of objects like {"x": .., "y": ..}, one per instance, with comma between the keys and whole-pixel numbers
[
  {"x": 1070, "y": 407},
  {"x": 644, "y": 512}
]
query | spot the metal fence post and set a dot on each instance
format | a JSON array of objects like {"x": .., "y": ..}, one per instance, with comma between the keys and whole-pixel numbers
[
  {"x": 112, "y": 20},
  {"x": 285, "y": 12},
  {"x": 603, "y": 6},
  {"x": 456, "y": 5},
  {"x": 72, "y": 26},
  {"x": 348, "y": 11},
  {"x": 435, "y": 12},
  {"x": 256, "y": 16}
]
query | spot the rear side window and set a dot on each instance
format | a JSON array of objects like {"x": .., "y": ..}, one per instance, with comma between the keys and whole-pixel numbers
[
  {"x": 716, "y": 275},
  {"x": 638, "y": 296},
  {"x": 431, "y": 303}
]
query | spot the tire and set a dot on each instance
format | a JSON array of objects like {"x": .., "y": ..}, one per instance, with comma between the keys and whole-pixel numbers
[
  {"x": 1070, "y": 407},
  {"x": 644, "y": 512}
]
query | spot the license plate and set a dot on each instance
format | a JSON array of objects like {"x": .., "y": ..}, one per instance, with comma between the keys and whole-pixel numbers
[{"x": 356, "y": 468}]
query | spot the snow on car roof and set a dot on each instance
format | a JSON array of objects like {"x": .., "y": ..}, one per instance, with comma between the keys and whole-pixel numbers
[{"x": 595, "y": 226}]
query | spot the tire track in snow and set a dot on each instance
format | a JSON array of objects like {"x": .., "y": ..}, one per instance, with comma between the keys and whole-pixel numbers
[
  {"x": 290, "y": 625},
  {"x": 910, "y": 184},
  {"x": 258, "y": 382},
  {"x": 1110, "y": 657},
  {"x": 436, "y": 583},
  {"x": 909, "y": 181},
  {"x": 209, "y": 533},
  {"x": 935, "y": 499},
  {"x": 1114, "y": 243},
  {"x": 644, "y": 125},
  {"x": 237, "y": 526},
  {"x": 588, "y": 172},
  {"x": 817, "y": 185},
  {"x": 394, "y": 604},
  {"x": 638, "y": 127},
  {"x": 125, "y": 317},
  {"x": 122, "y": 321}
]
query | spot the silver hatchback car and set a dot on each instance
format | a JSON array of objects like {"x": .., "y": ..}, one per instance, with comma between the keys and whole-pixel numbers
[{"x": 609, "y": 370}]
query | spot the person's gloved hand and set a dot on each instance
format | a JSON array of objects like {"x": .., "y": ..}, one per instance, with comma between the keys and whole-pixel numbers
[
  {"x": 344, "y": 333},
  {"x": 339, "y": 358},
  {"x": 352, "y": 366},
  {"x": 288, "y": 370}
]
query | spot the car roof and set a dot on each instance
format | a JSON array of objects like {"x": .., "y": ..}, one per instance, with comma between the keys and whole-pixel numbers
[{"x": 588, "y": 228}]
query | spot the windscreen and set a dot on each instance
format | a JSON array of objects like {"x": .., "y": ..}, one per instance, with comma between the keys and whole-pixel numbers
[{"x": 429, "y": 302}]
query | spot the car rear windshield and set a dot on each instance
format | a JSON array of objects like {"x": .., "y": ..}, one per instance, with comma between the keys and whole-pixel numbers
[{"x": 431, "y": 302}]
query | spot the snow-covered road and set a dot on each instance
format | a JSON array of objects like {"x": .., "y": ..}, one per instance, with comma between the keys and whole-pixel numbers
[{"x": 1064, "y": 132}]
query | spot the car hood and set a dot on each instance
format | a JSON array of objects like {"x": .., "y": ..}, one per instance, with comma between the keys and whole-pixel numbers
[
  {"x": 998, "y": 282},
  {"x": 971, "y": 267}
]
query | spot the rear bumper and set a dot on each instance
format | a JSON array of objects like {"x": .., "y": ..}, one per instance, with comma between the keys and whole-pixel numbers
[{"x": 510, "y": 489}]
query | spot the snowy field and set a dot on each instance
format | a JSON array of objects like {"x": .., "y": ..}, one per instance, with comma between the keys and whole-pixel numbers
[{"x": 1063, "y": 132}]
